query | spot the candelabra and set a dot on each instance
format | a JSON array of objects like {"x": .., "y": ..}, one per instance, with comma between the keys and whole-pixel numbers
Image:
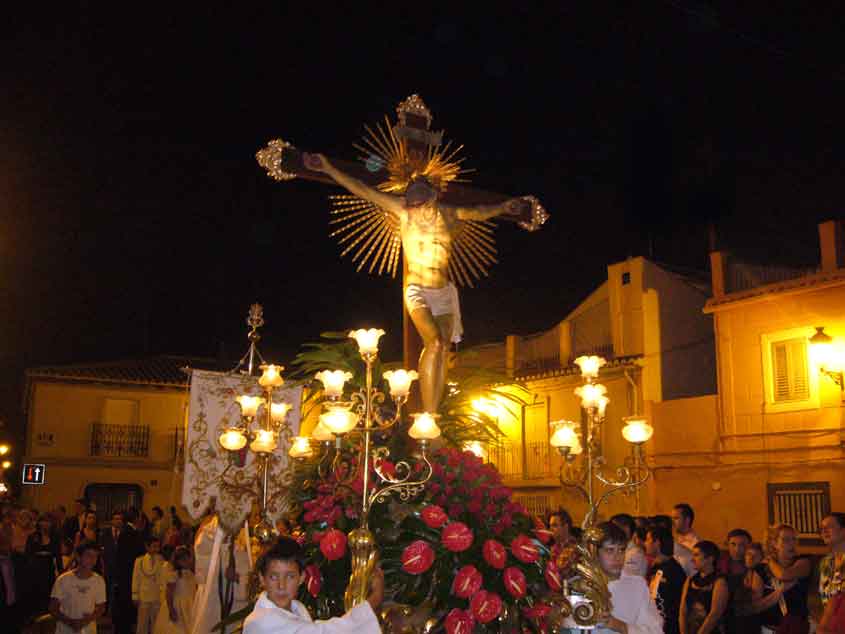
[
  {"x": 566, "y": 439},
  {"x": 270, "y": 417},
  {"x": 361, "y": 416}
]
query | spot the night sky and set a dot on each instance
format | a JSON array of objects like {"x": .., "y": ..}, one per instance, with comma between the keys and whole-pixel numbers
[{"x": 134, "y": 219}]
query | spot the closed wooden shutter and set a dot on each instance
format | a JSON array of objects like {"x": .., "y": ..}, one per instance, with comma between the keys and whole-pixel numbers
[{"x": 790, "y": 378}]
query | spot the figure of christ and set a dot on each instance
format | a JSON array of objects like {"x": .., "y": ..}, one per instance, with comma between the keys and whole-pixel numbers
[{"x": 427, "y": 227}]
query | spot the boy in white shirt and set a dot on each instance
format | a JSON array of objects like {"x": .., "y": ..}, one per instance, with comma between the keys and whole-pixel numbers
[
  {"x": 145, "y": 585},
  {"x": 78, "y": 598},
  {"x": 633, "y": 610},
  {"x": 278, "y": 612}
]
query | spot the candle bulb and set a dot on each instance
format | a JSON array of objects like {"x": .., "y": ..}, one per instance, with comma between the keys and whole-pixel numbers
[
  {"x": 249, "y": 404},
  {"x": 333, "y": 381},
  {"x": 271, "y": 376},
  {"x": 367, "y": 340},
  {"x": 400, "y": 381},
  {"x": 424, "y": 427},
  {"x": 232, "y": 439},
  {"x": 278, "y": 411},
  {"x": 301, "y": 447},
  {"x": 264, "y": 442}
]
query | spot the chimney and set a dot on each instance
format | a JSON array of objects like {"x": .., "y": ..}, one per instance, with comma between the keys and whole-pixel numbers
[
  {"x": 718, "y": 268},
  {"x": 832, "y": 244}
]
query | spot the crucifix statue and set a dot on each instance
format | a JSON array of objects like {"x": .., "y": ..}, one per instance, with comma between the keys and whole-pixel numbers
[{"x": 400, "y": 201}]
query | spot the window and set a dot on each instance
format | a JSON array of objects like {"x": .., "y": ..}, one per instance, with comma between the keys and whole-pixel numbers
[
  {"x": 535, "y": 504},
  {"x": 789, "y": 380},
  {"x": 626, "y": 278},
  {"x": 802, "y": 505}
]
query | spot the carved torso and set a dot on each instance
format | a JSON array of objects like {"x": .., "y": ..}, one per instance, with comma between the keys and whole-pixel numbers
[{"x": 426, "y": 240}]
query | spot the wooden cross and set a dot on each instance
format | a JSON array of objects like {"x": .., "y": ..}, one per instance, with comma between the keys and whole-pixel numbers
[{"x": 415, "y": 130}]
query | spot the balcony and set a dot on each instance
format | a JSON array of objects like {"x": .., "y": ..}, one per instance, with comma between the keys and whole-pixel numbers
[
  {"x": 119, "y": 441},
  {"x": 508, "y": 459}
]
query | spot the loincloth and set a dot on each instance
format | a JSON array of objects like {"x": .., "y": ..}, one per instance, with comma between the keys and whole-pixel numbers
[{"x": 440, "y": 301}]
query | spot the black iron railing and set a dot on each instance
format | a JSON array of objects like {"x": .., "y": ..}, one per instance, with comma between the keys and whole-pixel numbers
[{"x": 130, "y": 441}]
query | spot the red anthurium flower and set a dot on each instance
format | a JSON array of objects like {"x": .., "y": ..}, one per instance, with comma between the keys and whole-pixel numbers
[
  {"x": 467, "y": 582},
  {"x": 543, "y": 534},
  {"x": 552, "y": 576},
  {"x": 494, "y": 554},
  {"x": 457, "y": 537},
  {"x": 434, "y": 516},
  {"x": 417, "y": 557},
  {"x": 313, "y": 580},
  {"x": 515, "y": 582},
  {"x": 333, "y": 544},
  {"x": 524, "y": 549},
  {"x": 459, "y": 622},
  {"x": 485, "y": 606}
]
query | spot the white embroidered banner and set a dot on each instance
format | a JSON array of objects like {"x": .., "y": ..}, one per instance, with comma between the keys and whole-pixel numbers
[{"x": 213, "y": 472}]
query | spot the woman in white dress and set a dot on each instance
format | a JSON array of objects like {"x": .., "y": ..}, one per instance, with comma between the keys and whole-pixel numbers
[{"x": 178, "y": 587}]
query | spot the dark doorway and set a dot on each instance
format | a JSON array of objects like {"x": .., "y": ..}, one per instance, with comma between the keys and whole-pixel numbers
[{"x": 106, "y": 497}]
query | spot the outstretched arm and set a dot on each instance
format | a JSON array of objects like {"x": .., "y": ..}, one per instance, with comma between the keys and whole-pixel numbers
[
  {"x": 513, "y": 209},
  {"x": 388, "y": 202}
]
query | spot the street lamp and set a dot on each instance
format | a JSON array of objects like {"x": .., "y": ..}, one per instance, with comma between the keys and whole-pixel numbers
[
  {"x": 360, "y": 417},
  {"x": 266, "y": 416},
  {"x": 566, "y": 438},
  {"x": 829, "y": 356},
  {"x": 4, "y": 449}
]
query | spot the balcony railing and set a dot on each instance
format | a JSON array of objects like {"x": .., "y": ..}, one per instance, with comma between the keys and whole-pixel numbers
[
  {"x": 507, "y": 458},
  {"x": 537, "y": 460},
  {"x": 120, "y": 441}
]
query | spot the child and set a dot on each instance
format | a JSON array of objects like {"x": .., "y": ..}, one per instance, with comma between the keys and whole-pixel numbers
[
  {"x": 633, "y": 610},
  {"x": 178, "y": 587},
  {"x": 278, "y": 612},
  {"x": 78, "y": 598},
  {"x": 145, "y": 582}
]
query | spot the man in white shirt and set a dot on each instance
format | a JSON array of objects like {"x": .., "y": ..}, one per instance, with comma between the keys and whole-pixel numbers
[
  {"x": 682, "y": 518},
  {"x": 78, "y": 598},
  {"x": 278, "y": 612},
  {"x": 635, "y": 561},
  {"x": 145, "y": 585}
]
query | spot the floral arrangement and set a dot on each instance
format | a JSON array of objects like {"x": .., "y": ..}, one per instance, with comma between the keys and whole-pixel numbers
[{"x": 462, "y": 549}]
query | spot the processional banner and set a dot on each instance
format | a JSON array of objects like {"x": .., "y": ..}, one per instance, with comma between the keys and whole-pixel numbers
[{"x": 233, "y": 479}]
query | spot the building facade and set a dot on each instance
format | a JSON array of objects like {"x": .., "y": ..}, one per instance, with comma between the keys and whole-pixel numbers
[{"x": 109, "y": 432}]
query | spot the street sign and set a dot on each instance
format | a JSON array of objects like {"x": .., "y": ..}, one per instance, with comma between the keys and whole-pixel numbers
[{"x": 34, "y": 473}]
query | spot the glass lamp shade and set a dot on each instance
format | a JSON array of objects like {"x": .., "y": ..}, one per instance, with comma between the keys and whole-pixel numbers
[
  {"x": 271, "y": 376},
  {"x": 367, "y": 339},
  {"x": 565, "y": 435},
  {"x": 322, "y": 433},
  {"x": 821, "y": 347},
  {"x": 333, "y": 381},
  {"x": 601, "y": 405},
  {"x": 637, "y": 430},
  {"x": 232, "y": 440},
  {"x": 590, "y": 365},
  {"x": 339, "y": 420},
  {"x": 249, "y": 404},
  {"x": 264, "y": 442},
  {"x": 301, "y": 447},
  {"x": 278, "y": 411},
  {"x": 590, "y": 394},
  {"x": 400, "y": 381},
  {"x": 424, "y": 427},
  {"x": 576, "y": 449}
]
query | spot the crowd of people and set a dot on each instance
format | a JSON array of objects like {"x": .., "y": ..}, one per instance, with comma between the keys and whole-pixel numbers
[
  {"x": 69, "y": 566},
  {"x": 664, "y": 578}
]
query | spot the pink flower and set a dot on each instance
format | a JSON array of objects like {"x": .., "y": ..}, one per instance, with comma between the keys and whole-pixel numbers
[
  {"x": 434, "y": 516},
  {"x": 417, "y": 557},
  {"x": 552, "y": 576},
  {"x": 524, "y": 549},
  {"x": 459, "y": 622},
  {"x": 313, "y": 580},
  {"x": 494, "y": 554},
  {"x": 485, "y": 606},
  {"x": 467, "y": 582},
  {"x": 456, "y": 537},
  {"x": 333, "y": 544},
  {"x": 515, "y": 582}
]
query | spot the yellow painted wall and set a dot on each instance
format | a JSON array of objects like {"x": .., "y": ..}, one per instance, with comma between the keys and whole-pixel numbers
[{"x": 67, "y": 410}]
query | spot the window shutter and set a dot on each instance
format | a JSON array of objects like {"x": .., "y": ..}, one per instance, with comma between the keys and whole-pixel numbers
[{"x": 790, "y": 380}]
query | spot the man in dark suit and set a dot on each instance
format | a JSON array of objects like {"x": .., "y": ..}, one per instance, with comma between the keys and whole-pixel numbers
[
  {"x": 129, "y": 546},
  {"x": 73, "y": 523},
  {"x": 109, "y": 537}
]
